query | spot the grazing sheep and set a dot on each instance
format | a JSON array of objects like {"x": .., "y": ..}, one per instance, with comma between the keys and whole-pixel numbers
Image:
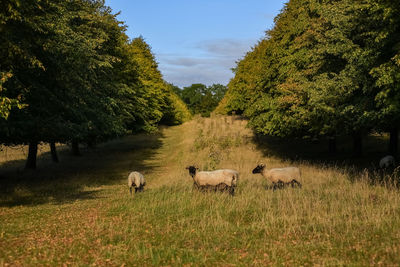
[
  {"x": 386, "y": 162},
  {"x": 221, "y": 180},
  {"x": 136, "y": 180},
  {"x": 280, "y": 176}
]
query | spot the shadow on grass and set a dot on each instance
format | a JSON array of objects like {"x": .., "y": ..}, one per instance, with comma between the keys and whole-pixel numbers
[
  {"x": 63, "y": 182},
  {"x": 315, "y": 152}
]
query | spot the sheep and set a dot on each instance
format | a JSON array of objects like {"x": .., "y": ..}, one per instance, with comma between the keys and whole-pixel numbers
[
  {"x": 136, "y": 180},
  {"x": 280, "y": 176},
  {"x": 221, "y": 180},
  {"x": 386, "y": 162}
]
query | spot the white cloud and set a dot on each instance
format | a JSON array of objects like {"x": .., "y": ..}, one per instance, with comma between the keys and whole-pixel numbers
[
  {"x": 226, "y": 47},
  {"x": 213, "y": 63},
  {"x": 187, "y": 76}
]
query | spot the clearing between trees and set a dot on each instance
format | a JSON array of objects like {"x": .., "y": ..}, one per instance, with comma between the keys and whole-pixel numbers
[{"x": 79, "y": 212}]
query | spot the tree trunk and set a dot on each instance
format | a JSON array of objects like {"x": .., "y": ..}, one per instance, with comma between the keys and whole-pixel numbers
[
  {"x": 332, "y": 145},
  {"x": 53, "y": 151},
  {"x": 394, "y": 141},
  {"x": 75, "y": 148},
  {"x": 32, "y": 154},
  {"x": 357, "y": 143}
]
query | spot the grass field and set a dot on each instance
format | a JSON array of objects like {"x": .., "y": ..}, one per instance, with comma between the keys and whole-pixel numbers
[{"x": 79, "y": 212}]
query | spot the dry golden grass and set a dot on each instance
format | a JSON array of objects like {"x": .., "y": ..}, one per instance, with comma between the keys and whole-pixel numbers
[{"x": 85, "y": 216}]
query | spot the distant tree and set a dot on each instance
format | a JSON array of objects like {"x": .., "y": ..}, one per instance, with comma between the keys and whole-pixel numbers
[
  {"x": 201, "y": 99},
  {"x": 218, "y": 92},
  {"x": 192, "y": 96},
  {"x": 176, "y": 90}
]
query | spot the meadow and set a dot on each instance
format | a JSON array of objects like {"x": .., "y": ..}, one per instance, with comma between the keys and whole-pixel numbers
[{"x": 79, "y": 212}]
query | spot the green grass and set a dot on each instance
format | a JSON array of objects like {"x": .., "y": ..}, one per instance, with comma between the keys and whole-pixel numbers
[{"x": 80, "y": 213}]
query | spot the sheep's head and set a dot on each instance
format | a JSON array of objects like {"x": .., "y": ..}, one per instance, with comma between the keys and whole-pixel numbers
[
  {"x": 259, "y": 168},
  {"x": 192, "y": 170}
]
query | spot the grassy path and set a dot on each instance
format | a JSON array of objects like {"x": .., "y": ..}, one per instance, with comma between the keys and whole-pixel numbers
[{"x": 79, "y": 213}]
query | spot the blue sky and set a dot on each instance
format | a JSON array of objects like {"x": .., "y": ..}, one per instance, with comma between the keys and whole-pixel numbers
[{"x": 198, "y": 41}]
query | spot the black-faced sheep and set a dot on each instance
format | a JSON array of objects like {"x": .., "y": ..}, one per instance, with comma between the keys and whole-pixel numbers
[
  {"x": 136, "y": 180},
  {"x": 218, "y": 180},
  {"x": 280, "y": 176},
  {"x": 386, "y": 162}
]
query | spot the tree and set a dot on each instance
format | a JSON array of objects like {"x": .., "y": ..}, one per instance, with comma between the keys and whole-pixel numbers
[
  {"x": 385, "y": 41},
  {"x": 176, "y": 111},
  {"x": 78, "y": 77},
  {"x": 201, "y": 99},
  {"x": 327, "y": 68},
  {"x": 64, "y": 96},
  {"x": 147, "y": 93},
  {"x": 245, "y": 87},
  {"x": 10, "y": 15}
]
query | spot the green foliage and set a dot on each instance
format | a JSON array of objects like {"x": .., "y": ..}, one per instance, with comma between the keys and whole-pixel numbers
[
  {"x": 12, "y": 16},
  {"x": 6, "y": 103},
  {"x": 327, "y": 68},
  {"x": 248, "y": 80},
  {"x": 176, "y": 111},
  {"x": 201, "y": 99},
  {"x": 147, "y": 91},
  {"x": 76, "y": 75},
  {"x": 149, "y": 100}
]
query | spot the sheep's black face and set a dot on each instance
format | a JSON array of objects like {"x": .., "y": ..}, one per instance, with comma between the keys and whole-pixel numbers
[
  {"x": 258, "y": 169},
  {"x": 192, "y": 170}
]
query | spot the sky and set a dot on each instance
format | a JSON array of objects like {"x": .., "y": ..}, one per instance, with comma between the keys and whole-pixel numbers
[{"x": 198, "y": 41}]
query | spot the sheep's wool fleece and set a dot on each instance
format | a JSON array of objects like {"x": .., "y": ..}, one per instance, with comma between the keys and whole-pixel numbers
[
  {"x": 226, "y": 176},
  {"x": 284, "y": 174},
  {"x": 135, "y": 178}
]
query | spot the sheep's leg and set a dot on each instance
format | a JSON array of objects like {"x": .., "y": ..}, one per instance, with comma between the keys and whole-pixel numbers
[
  {"x": 197, "y": 187},
  {"x": 295, "y": 182},
  {"x": 136, "y": 189},
  {"x": 274, "y": 186},
  {"x": 281, "y": 184},
  {"x": 223, "y": 187},
  {"x": 130, "y": 190},
  {"x": 232, "y": 191}
]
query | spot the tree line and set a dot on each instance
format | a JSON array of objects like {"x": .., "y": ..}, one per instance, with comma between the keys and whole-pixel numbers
[
  {"x": 327, "y": 68},
  {"x": 70, "y": 74},
  {"x": 201, "y": 99}
]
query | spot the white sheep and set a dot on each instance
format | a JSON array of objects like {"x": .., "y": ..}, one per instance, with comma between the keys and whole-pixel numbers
[
  {"x": 280, "y": 176},
  {"x": 222, "y": 180},
  {"x": 136, "y": 180},
  {"x": 386, "y": 162}
]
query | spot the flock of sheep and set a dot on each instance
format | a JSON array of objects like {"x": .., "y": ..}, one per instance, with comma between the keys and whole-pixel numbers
[{"x": 227, "y": 179}]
